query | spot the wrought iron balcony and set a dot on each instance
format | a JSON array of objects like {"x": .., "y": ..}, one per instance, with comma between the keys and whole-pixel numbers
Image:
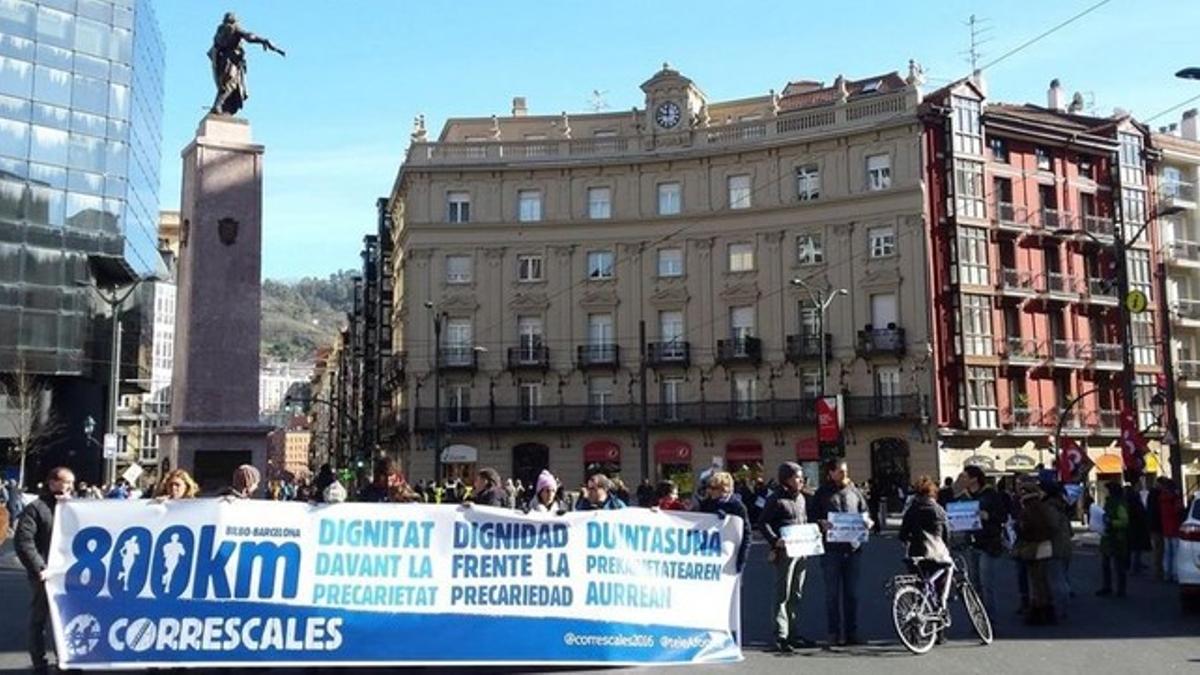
[
  {"x": 1025, "y": 351},
  {"x": 1069, "y": 353},
  {"x": 1063, "y": 285},
  {"x": 671, "y": 353},
  {"x": 867, "y": 408},
  {"x": 1107, "y": 355},
  {"x": 1186, "y": 309},
  {"x": 806, "y": 346},
  {"x": 1099, "y": 227},
  {"x": 1180, "y": 251},
  {"x": 881, "y": 341},
  {"x": 739, "y": 350},
  {"x": 459, "y": 357},
  {"x": 1053, "y": 219},
  {"x": 1023, "y": 418},
  {"x": 1019, "y": 282},
  {"x": 1007, "y": 216},
  {"x": 1176, "y": 194},
  {"x": 598, "y": 356},
  {"x": 1102, "y": 291},
  {"x": 529, "y": 357}
]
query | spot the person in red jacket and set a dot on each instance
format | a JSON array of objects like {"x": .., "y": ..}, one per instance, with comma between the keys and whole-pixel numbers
[
  {"x": 668, "y": 497},
  {"x": 1170, "y": 513}
]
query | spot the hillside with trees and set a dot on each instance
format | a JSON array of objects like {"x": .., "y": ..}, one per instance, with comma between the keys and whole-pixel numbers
[{"x": 299, "y": 316}]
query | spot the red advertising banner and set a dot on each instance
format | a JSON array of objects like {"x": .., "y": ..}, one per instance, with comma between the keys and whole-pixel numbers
[{"x": 829, "y": 423}]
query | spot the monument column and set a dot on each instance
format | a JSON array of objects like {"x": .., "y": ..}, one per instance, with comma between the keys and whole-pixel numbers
[{"x": 214, "y": 423}]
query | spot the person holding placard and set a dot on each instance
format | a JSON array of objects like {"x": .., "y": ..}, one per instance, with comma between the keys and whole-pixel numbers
[
  {"x": 784, "y": 509},
  {"x": 987, "y": 543},
  {"x": 840, "y": 508}
]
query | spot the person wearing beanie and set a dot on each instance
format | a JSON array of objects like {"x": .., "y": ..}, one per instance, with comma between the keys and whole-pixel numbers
[
  {"x": 245, "y": 481},
  {"x": 784, "y": 508},
  {"x": 545, "y": 499}
]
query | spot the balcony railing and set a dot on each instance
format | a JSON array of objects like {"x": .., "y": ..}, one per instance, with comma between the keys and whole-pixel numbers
[
  {"x": 1023, "y": 350},
  {"x": 671, "y": 353},
  {"x": 1192, "y": 433},
  {"x": 1107, "y": 355},
  {"x": 808, "y": 122},
  {"x": 1187, "y": 309},
  {"x": 598, "y": 356},
  {"x": 1052, "y": 219},
  {"x": 1187, "y": 369},
  {"x": 459, "y": 357},
  {"x": 881, "y": 341},
  {"x": 773, "y": 412},
  {"x": 1005, "y": 215},
  {"x": 532, "y": 357},
  {"x": 865, "y": 408},
  {"x": 1021, "y": 418},
  {"x": 1019, "y": 282},
  {"x": 805, "y": 346},
  {"x": 1102, "y": 290},
  {"x": 1177, "y": 193},
  {"x": 1183, "y": 251},
  {"x": 1066, "y": 352},
  {"x": 1099, "y": 227},
  {"x": 739, "y": 350},
  {"x": 1063, "y": 284}
]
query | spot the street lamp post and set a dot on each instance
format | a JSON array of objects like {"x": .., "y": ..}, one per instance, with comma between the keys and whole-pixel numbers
[
  {"x": 438, "y": 317},
  {"x": 821, "y": 299},
  {"x": 114, "y": 300}
]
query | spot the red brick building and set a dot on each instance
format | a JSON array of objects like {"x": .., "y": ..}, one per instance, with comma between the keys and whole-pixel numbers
[{"x": 1026, "y": 204}]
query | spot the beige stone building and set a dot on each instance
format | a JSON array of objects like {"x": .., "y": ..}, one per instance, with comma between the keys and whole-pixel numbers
[
  {"x": 1179, "y": 173},
  {"x": 543, "y": 242}
]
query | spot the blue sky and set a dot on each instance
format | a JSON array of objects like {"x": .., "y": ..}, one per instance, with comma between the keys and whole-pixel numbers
[{"x": 335, "y": 115}]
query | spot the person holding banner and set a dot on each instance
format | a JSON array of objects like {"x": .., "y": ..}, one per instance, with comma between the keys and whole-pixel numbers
[
  {"x": 787, "y": 507},
  {"x": 840, "y": 508},
  {"x": 598, "y": 495},
  {"x": 545, "y": 498},
  {"x": 177, "y": 485},
  {"x": 32, "y": 544},
  {"x": 720, "y": 500}
]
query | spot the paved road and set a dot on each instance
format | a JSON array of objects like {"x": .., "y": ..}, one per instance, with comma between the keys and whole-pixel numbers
[{"x": 1102, "y": 635}]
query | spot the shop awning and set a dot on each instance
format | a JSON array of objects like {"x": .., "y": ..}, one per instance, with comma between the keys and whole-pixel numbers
[
  {"x": 602, "y": 451},
  {"x": 743, "y": 450},
  {"x": 672, "y": 451},
  {"x": 808, "y": 450},
  {"x": 459, "y": 454},
  {"x": 1109, "y": 464}
]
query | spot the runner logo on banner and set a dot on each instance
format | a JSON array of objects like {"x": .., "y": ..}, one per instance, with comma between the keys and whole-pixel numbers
[{"x": 203, "y": 583}]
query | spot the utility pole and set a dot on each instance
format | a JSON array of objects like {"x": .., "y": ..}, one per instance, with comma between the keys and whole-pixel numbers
[
  {"x": 437, "y": 396},
  {"x": 644, "y": 427},
  {"x": 1172, "y": 434}
]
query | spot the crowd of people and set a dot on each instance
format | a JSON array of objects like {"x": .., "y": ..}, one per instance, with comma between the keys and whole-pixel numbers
[{"x": 1025, "y": 523}]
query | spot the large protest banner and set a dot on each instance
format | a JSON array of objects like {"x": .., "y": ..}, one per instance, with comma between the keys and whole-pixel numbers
[{"x": 210, "y": 582}]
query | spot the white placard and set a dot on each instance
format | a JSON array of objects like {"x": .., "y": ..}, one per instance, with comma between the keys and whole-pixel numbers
[
  {"x": 964, "y": 516},
  {"x": 1096, "y": 519},
  {"x": 132, "y": 474},
  {"x": 847, "y": 528},
  {"x": 802, "y": 541}
]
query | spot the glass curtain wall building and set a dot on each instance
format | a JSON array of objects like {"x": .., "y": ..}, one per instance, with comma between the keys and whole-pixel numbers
[{"x": 81, "y": 94}]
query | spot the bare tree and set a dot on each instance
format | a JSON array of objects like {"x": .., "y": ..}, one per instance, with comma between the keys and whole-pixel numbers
[{"x": 29, "y": 414}]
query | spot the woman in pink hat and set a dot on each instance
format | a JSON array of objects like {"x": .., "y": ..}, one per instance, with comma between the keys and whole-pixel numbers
[{"x": 545, "y": 498}]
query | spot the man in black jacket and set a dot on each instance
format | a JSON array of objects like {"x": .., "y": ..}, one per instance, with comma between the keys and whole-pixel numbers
[
  {"x": 987, "y": 543},
  {"x": 841, "y": 564},
  {"x": 786, "y": 507},
  {"x": 32, "y": 544}
]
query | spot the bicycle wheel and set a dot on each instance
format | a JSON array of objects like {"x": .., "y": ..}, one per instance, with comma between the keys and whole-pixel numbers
[
  {"x": 978, "y": 614},
  {"x": 908, "y": 615}
]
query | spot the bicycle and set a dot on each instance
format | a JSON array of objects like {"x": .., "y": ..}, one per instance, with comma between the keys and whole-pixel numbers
[{"x": 921, "y": 610}]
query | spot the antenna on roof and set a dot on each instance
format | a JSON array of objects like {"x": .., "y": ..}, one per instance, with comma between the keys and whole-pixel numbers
[
  {"x": 597, "y": 102},
  {"x": 980, "y": 31}
]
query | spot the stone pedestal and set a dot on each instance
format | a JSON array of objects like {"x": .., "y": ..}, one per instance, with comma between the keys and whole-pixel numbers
[{"x": 214, "y": 387}]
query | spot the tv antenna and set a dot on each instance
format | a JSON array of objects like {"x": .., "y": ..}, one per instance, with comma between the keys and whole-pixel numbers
[
  {"x": 597, "y": 102},
  {"x": 980, "y": 33}
]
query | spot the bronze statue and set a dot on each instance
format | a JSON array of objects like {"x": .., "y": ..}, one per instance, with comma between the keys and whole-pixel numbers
[{"x": 229, "y": 64}]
